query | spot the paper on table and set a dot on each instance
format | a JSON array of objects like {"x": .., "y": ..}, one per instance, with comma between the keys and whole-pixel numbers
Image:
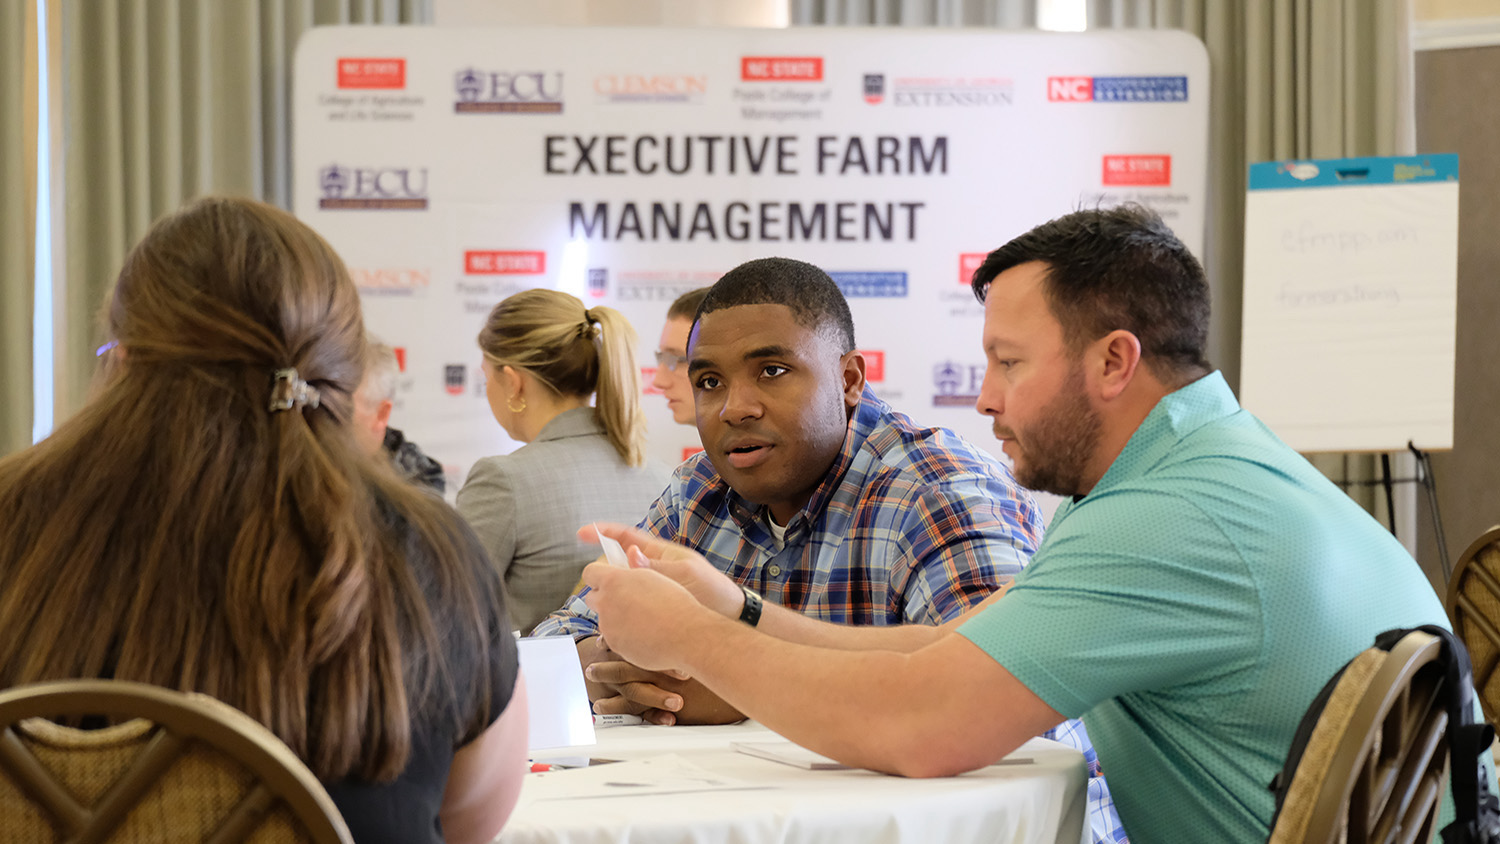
[
  {"x": 788, "y": 753},
  {"x": 667, "y": 774},
  {"x": 613, "y": 552}
]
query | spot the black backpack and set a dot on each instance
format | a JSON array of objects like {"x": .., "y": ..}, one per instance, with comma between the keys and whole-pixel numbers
[{"x": 1476, "y": 808}]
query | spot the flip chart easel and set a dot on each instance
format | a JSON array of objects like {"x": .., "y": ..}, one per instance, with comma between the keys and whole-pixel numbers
[{"x": 1351, "y": 270}]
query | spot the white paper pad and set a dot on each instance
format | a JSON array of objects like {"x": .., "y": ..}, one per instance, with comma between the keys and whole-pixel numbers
[
  {"x": 667, "y": 774},
  {"x": 556, "y": 701}
]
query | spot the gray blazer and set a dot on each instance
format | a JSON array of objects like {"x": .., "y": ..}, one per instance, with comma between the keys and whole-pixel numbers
[{"x": 527, "y": 506}]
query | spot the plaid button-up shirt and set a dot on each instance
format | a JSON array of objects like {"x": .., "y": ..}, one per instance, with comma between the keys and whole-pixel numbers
[{"x": 911, "y": 526}]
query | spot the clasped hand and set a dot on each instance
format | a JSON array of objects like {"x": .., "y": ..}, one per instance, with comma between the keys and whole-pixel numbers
[
  {"x": 660, "y": 697},
  {"x": 643, "y": 614}
]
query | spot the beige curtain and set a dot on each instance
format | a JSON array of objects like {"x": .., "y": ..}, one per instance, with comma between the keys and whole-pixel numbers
[
  {"x": 18, "y": 131},
  {"x": 1289, "y": 79},
  {"x": 165, "y": 100}
]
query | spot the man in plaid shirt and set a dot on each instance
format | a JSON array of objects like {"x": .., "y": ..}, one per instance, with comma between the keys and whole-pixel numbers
[
  {"x": 814, "y": 493},
  {"x": 811, "y": 490}
]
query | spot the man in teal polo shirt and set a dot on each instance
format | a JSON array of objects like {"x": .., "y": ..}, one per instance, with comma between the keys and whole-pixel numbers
[{"x": 1188, "y": 601}]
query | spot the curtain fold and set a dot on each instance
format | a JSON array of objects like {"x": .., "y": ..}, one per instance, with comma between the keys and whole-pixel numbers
[
  {"x": 18, "y": 133},
  {"x": 1009, "y": 14},
  {"x": 165, "y": 100}
]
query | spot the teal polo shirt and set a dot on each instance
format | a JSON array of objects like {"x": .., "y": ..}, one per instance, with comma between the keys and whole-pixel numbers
[{"x": 1191, "y": 606}]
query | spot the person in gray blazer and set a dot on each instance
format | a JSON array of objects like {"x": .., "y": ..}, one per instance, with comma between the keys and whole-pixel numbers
[{"x": 546, "y": 358}]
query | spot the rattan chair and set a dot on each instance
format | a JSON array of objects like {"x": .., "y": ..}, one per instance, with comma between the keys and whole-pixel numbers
[
  {"x": 1375, "y": 763},
  {"x": 1473, "y": 606},
  {"x": 182, "y": 768}
]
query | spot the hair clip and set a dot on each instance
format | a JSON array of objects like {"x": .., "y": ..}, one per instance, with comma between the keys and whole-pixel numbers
[{"x": 289, "y": 391}]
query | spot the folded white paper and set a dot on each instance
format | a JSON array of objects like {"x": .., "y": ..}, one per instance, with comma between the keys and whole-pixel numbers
[{"x": 788, "y": 753}]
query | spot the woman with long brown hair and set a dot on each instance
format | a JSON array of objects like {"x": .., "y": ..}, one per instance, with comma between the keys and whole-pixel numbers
[
  {"x": 207, "y": 523},
  {"x": 561, "y": 378}
]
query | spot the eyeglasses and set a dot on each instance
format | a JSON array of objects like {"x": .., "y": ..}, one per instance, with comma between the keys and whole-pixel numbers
[
  {"x": 669, "y": 361},
  {"x": 99, "y": 352}
]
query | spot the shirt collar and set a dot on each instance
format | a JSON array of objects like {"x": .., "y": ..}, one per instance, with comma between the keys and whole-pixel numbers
[
  {"x": 1176, "y": 416},
  {"x": 866, "y": 416},
  {"x": 578, "y": 422}
]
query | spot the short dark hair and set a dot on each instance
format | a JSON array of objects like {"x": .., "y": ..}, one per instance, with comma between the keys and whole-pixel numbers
[
  {"x": 1117, "y": 268},
  {"x": 814, "y": 298},
  {"x": 686, "y": 306}
]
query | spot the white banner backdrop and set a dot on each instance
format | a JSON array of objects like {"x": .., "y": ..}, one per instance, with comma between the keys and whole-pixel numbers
[{"x": 453, "y": 167}]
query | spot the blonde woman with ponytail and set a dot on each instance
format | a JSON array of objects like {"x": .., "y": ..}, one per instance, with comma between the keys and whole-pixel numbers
[
  {"x": 207, "y": 523},
  {"x": 561, "y": 378}
]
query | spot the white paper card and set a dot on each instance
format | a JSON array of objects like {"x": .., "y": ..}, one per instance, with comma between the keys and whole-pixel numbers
[
  {"x": 557, "y": 702},
  {"x": 613, "y": 551}
]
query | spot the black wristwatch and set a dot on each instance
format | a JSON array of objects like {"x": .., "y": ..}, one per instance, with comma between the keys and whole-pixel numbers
[{"x": 750, "y": 613}]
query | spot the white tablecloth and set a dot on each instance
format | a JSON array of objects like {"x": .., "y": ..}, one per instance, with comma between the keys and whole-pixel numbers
[{"x": 1037, "y": 802}]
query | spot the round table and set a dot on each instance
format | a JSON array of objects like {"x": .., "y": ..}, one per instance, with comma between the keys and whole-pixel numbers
[{"x": 1037, "y": 795}]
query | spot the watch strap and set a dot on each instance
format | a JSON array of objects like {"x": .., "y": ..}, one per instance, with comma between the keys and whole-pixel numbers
[{"x": 750, "y": 613}]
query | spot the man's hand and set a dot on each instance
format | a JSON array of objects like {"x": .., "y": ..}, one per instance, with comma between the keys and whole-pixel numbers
[
  {"x": 646, "y": 618},
  {"x": 695, "y": 704},
  {"x": 617, "y": 687},
  {"x": 711, "y": 587}
]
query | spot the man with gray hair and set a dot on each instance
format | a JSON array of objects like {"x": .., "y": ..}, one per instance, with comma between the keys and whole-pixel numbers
[{"x": 373, "y": 402}]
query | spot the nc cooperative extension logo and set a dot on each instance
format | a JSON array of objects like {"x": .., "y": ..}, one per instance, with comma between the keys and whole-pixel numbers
[
  {"x": 1117, "y": 89},
  {"x": 508, "y": 91},
  {"x": 373, "y": 188},
  {"x": 874, "y": 365}
]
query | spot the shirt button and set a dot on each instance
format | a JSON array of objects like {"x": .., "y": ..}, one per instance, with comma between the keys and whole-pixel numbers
[{"x": 774, "y": 571}]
